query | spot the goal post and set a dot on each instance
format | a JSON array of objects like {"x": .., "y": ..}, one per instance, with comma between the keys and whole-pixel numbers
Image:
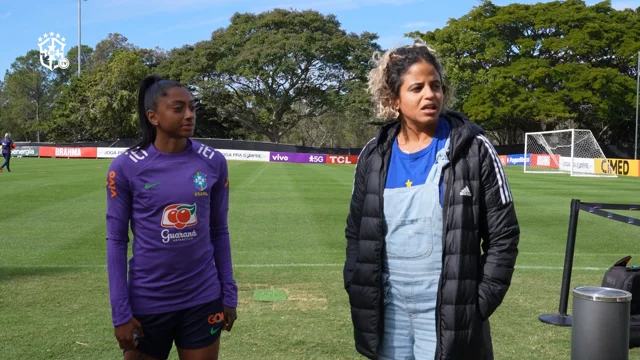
[{"x": 572, "y": 151}]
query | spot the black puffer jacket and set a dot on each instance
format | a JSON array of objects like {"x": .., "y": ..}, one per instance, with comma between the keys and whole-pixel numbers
[{"x": 480, "y": 241}]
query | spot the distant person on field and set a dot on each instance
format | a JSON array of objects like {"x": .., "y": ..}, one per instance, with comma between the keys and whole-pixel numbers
[
  {"x": 432, "y": 233},
  {"x": 7, "y": 146},
  {"x": 175, "y": 193}
]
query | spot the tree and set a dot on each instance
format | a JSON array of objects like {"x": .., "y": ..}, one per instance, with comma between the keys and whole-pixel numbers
[
  {"x": 113, "y": 98},
  {"x": 3, "y": 108},
  {"x": 72, "y": 119},
  {"x": 210, "y": 123},
  {"x": 272, "y": 70},
  {"x": 550, "y": 65},
  {"x": 190, "y": 66},
  {"x": 349, "y": 125},
  {"x": 102, "y": 103},
  {"x": 152, "y": 58},
  {"x": 63, "y": 76},
  {"x": 106, "y": 48},
  {"x": 27, "y": 88}
]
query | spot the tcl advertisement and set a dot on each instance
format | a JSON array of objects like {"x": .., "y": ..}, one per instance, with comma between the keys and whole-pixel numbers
[
  {"x": 68, "y": 152},
  {"x": 342, "y": 159}
]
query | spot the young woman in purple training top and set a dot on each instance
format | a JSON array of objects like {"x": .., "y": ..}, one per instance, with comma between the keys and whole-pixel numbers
[{"x": 174, "y": 192}]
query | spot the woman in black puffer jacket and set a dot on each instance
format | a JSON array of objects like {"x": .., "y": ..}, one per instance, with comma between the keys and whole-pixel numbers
[{"x": 432, "y": 232}]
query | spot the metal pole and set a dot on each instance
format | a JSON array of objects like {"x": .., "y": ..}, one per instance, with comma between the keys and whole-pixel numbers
[
  {"x": 635, "y": 152},
  {"x": 573, "y": 145},
  {"x": 79, "y": 35},
  {"x": 562, "y": 318},
  {"x": 526, "y": 140},
  {"x": 568, "y": 257}
]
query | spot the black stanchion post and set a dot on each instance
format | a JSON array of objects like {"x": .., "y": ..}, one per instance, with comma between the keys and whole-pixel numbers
[
  {"x": 568, "y": 258},
  {"x": 561, "y": 318}
]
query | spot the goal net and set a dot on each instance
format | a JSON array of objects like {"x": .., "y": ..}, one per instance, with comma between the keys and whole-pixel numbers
[{"x": 571, "y": 151}]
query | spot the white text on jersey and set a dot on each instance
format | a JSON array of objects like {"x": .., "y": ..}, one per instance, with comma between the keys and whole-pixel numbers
[{"x": 206, "y": 151}]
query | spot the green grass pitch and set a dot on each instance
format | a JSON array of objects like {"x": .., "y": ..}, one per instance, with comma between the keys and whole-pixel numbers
[{"x": 287, "y": 229}]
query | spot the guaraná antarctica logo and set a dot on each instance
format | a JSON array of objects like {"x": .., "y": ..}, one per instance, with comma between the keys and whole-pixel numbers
[{"x": 52, "y": 51}]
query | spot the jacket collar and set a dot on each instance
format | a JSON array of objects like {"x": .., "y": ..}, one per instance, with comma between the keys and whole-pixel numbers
[{"x": 463, "y": 131}]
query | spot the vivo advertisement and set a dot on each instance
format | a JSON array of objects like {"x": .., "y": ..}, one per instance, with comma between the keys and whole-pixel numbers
[
  {"x": 297, "y": 158},
  {"x": 518, "y": 159}
]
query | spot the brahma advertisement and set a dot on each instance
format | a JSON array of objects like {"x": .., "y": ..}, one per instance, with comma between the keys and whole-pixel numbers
[
  {"x": 69, "y": 152},
  {"x": 545, "y": 161}
]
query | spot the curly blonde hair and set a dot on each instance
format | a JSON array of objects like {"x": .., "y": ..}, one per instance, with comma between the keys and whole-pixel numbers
[{"x": 389, "y": 68}]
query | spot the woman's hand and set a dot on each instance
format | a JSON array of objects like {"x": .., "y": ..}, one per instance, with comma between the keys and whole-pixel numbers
[
  {"x": 230, "y": 317},
  {"x": 126, "y": 334}
]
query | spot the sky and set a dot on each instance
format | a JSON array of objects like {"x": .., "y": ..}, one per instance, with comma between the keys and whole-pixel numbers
[{"x": 173, "y": 23}]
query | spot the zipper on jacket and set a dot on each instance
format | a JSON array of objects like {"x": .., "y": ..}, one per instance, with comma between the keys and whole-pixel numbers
[
  {"x": 448, "y": 170},
  {"x": 381, "y": 186}
]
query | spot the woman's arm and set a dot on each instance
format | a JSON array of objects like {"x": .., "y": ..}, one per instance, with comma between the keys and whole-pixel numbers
[
  {"x": 352, "y": 231},
  {"x": 119, "y": 200},
  {"x": 220, "y": 234},
  {"x": 499, "y": 230}
]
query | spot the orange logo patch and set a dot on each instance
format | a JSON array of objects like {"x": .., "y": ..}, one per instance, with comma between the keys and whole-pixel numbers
[
  {"x": 111, "y": 183},
  {"x": 227, "y": 183},
  {"x": 214, "y": 319}
]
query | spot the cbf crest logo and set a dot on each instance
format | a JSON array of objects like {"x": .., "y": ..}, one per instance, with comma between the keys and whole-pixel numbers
[
  {"x": 200, "y": 181},
  {"x": 52, "y": 51}
]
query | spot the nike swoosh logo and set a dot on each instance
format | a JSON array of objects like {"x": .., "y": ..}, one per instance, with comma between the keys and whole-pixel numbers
[
  {"x": 149, "y": 186},
  {"x": 213, "y": 331}
]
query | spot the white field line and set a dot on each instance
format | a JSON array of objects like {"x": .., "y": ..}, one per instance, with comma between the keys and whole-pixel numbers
[
  {"x": 620, "y": 255},
  {"x": 97, "y": 266}
]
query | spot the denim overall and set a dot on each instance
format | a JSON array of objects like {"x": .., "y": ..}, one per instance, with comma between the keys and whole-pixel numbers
[{"x": 412, "y": 266}]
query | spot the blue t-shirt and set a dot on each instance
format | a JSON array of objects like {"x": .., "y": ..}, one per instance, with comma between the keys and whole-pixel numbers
[{"x": 406, "y": 170}]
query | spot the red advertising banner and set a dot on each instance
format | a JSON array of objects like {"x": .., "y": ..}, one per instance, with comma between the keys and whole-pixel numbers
[
  {"x": 69, "y": 152},
  {"x": 342, "y": 159},
  {"x": 540, "y": 160},
  {"x": 47, "y": 151}
]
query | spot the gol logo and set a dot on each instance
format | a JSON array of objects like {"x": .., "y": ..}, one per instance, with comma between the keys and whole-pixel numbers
[
  {"x": 111, "y": 184},
  {"x": 217, "y": 318},
  {"x": 179, "y": 216}
]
